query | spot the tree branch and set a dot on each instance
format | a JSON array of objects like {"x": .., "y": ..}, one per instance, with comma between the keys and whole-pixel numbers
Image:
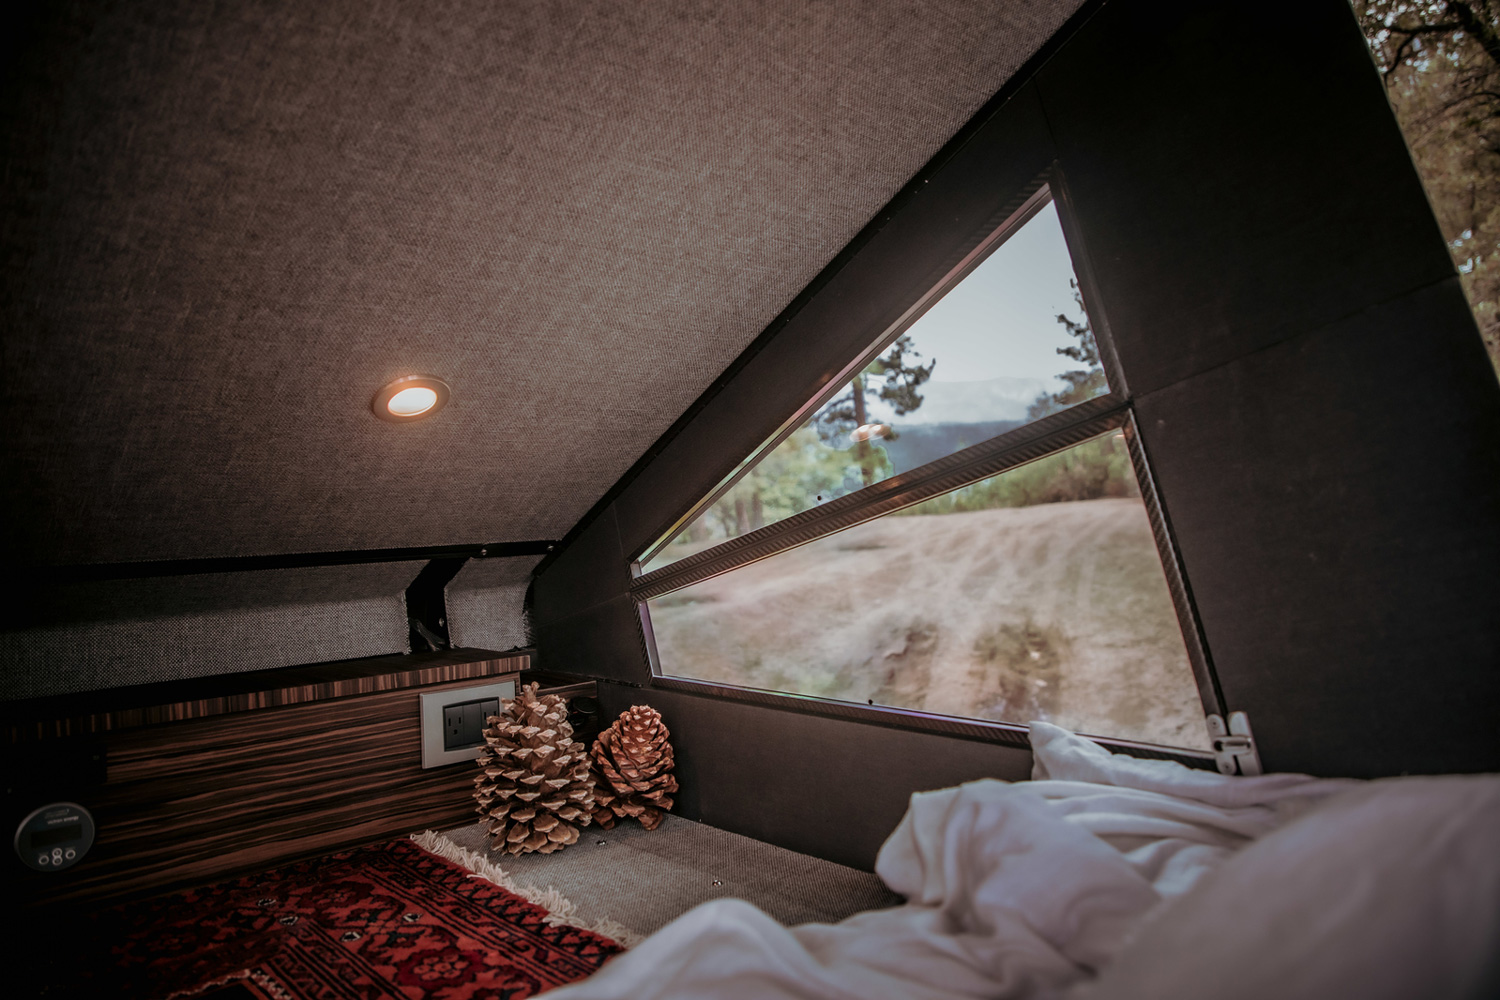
[
  {"x": 1449, "y": 105},
  {"x": 1396, "y": 59},
  {"x": 1482, "y": 30}
]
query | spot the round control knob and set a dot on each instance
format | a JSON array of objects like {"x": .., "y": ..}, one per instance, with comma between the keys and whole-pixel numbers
[{"x": 54, "y": 836}]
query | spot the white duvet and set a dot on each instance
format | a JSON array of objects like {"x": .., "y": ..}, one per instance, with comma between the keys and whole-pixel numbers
[{"x": 1034, "y": 889}]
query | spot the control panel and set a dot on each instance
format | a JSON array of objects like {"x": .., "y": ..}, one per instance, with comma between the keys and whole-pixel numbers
[{"x": 55, "y": 836}]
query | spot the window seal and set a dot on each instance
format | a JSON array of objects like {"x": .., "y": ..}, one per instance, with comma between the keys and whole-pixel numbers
[{"x": 976, "y": 730}]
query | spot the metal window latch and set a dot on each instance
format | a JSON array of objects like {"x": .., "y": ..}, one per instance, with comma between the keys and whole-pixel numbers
[{"x": 1234, "y": 744}]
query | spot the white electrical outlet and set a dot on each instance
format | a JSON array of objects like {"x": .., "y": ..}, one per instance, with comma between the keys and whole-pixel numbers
[{"x": 450, "y": 714}]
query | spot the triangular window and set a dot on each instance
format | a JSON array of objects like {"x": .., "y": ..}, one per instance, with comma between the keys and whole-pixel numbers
[
  {"x": 1006, "y": 345},
  {"x": 962, "y": 525}
]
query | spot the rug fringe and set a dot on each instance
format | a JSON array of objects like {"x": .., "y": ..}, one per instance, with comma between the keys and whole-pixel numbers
[{"x": 560, "y": 909}]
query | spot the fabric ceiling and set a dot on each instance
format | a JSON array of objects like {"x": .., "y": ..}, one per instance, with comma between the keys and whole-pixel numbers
[{"x": 228, "y": 225}]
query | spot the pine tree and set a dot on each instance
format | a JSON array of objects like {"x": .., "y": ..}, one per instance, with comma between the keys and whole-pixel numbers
[
  {"x": 1083, "y": 383},
  {"x": 894, "y": 379}
]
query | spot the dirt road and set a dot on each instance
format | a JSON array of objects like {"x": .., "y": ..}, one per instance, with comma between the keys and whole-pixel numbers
[{"x": 1057, "y": 612}]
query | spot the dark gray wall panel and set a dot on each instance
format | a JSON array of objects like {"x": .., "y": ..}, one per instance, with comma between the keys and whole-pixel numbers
[
  {"x": 114, "y": 633},
  {"x": 1233, "y": 193},
  {"x": 602, "y": 641},
  {"x": 1337, "y": 504},
  {"x": 486, "y": 603},
  {"x": 1311, "y": 389},
  {"x": 827, "y": 787},
  {"x": 590, "y": 571}
]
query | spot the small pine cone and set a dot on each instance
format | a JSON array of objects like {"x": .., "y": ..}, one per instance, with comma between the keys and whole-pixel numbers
[
  {"x": 535, "y": 787},
  {"x": 634, "y": 760}
]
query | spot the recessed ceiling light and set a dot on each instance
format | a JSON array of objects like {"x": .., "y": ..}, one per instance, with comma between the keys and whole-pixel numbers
[{"x": 410, "y": 398}]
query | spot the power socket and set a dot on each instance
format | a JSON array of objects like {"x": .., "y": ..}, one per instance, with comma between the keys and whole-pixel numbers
[
  {"x": 453, "y": 719},
  {"x": 463, "y": 723}
]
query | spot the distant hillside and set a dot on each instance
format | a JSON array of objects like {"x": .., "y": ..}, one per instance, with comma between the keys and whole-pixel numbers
[{"x": 918, "y": 444}]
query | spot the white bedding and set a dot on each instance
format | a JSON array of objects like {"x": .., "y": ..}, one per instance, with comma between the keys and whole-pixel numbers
[{"x": 1023, "y": 890}]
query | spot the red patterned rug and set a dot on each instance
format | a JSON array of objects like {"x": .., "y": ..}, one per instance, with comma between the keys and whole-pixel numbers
[{"x": 388, "y": 920}]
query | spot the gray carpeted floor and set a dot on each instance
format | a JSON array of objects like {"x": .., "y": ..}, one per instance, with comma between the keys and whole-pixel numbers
[{"x": 647, "y": 879}]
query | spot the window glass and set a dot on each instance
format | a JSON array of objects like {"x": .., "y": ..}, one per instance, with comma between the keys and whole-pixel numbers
[
  {"x": 1008, "y": 344},
  {"x": 1034, "y": 594},
  {"x": 1440, "y": 61}
]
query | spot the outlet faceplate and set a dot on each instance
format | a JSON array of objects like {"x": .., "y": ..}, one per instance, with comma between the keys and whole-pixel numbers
[
  {"x": 463, "y": 725},
  {"x": 453, "y": 720}
]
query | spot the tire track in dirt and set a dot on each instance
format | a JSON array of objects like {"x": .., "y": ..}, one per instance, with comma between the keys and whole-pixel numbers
[{"x": 1057, "y": 611}]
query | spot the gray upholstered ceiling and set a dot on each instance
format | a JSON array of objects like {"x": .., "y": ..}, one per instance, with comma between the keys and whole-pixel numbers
[{"x": 227, "y": 225}]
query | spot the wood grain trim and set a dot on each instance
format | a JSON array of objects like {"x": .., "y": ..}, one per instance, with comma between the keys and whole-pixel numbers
[
  {"x": 194, "y": 801},
  {"x": 304, "y": 685}
]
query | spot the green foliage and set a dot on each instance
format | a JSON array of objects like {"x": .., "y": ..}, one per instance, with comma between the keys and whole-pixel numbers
[
  {"x": 791, "y": 478},
  {"x": 819, "y": 461},
  {"x": 787, "y": 481},
  {"x": 1092, "y": 470},
  {"x": 1440, "y": 60},
  {"x": 899, "y": 380},
  {"x": 894, "y": 379},
  {"x": 1082, "y": 383}
]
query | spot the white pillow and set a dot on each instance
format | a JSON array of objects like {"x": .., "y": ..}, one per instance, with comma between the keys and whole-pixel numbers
[{"x": 1391, "y": 891}]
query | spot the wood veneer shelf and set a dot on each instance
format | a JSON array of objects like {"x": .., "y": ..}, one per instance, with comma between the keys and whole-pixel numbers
[
  {"x": 222, "y": 776},
  {"x": 115, "y": 709}
]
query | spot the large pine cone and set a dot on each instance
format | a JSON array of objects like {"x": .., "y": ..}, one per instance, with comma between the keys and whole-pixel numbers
[
  {"x": 635, "y": 761},
  {"x": 535, "y": 781}
]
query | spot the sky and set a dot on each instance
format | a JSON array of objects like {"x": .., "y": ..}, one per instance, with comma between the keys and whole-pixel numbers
[{"x": 995, "y": 335}]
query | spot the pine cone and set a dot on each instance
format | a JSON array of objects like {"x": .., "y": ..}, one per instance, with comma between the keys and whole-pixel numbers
[
  {"x": 535, "y": 781},
  {"x": 604, "y": 797},
  {"x": 635, "y": 761}
]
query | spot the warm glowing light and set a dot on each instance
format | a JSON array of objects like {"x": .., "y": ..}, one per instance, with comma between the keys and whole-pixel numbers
[
  {"x": 410, "y": 402},
  {"x": 411, "y": 397},
  {"x": 866, "y": 431}
]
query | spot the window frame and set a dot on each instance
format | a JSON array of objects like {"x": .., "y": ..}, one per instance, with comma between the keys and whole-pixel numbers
[
  {"x": 1033, "y": 198},
  {"x": 1012, "y": 449}
]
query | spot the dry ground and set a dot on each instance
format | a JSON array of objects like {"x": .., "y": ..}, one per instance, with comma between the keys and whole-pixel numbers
[{"x": 1057, "y": 612}]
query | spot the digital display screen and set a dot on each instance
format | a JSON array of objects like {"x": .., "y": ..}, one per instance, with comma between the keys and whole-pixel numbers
[{"x": 46, "y": 838}]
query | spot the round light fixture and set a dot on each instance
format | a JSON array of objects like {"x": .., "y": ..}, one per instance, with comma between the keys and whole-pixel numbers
[
  {"x": 412, "y": 402},
  {"x": 866, "y": 431},
  {"x": 410, "y": 398}
]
